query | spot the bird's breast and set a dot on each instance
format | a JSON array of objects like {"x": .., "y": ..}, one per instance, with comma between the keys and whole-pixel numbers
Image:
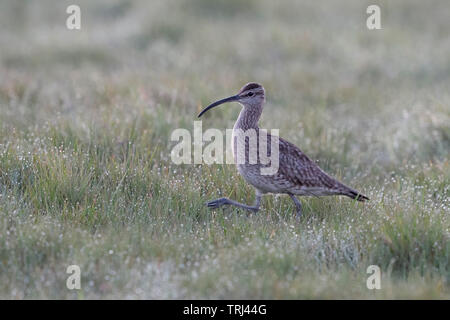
[{"x": 245, "y": 146}]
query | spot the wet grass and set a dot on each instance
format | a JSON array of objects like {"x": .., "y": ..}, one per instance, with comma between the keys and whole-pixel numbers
[{"x": 86, "y": 176}]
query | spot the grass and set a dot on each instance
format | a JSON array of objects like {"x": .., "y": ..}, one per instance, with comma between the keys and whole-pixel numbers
[{"x": 85, "y": 170}]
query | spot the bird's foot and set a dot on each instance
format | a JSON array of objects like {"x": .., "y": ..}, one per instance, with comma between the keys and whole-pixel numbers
[
  {"x": 298, "y": 206},
  {"x": 298, "y": 211},
  {"x": 214, "y": 204},
  {"x": 298, "y": 214}
]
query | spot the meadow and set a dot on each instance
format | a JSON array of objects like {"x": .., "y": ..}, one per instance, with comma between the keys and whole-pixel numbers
[{"x": 86, "y": 176}]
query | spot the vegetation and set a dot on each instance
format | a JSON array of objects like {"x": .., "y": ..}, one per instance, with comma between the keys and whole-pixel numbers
[{"x": 86, "y": 176}]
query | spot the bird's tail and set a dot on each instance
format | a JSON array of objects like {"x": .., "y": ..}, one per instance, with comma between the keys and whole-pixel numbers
[{"x": 355, "y": 195}]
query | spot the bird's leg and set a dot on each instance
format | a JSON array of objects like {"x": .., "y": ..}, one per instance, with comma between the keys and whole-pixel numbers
[
  {"x": 225, "y": 201},
  {"x": 298, "y": 205}
]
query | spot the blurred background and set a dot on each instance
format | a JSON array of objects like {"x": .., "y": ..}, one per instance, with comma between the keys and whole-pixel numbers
[
  {"x": 85, "y": 123},
  {"x": 315, "y": 60}
]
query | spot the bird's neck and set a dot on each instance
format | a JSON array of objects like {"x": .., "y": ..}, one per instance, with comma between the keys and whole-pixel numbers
[{"x": 248, "y": 118}]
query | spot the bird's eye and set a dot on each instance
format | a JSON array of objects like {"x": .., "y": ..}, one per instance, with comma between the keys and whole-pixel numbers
[{"x": 250, "y": 94}]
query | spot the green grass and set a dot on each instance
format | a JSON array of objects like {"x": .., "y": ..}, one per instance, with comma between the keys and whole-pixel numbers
[{"x": 85, "y": 170}]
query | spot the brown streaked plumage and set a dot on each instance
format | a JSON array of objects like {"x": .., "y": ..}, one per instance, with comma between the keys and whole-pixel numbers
[{"x": 296, "y": 175}]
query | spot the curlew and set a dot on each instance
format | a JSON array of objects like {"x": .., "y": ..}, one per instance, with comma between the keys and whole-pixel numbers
[{"x": 297, "y": 175}]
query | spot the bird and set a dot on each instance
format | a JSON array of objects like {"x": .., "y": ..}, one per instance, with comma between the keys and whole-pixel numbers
[{"x": 296, "y": 175}]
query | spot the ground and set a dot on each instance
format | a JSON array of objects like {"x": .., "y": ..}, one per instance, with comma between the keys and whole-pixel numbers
[{"x": 86, "y": 176}]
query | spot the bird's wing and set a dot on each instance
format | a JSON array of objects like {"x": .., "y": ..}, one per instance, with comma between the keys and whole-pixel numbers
[
  {"x": 301, "y": 171},
  {"x": 298, "y": 173}
]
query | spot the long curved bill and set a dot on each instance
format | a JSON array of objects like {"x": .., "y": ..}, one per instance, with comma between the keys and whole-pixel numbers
[{"x": 215, "y": 104}]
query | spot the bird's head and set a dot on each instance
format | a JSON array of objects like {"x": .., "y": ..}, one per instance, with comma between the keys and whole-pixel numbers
[{"x": 251, "y": 95}]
